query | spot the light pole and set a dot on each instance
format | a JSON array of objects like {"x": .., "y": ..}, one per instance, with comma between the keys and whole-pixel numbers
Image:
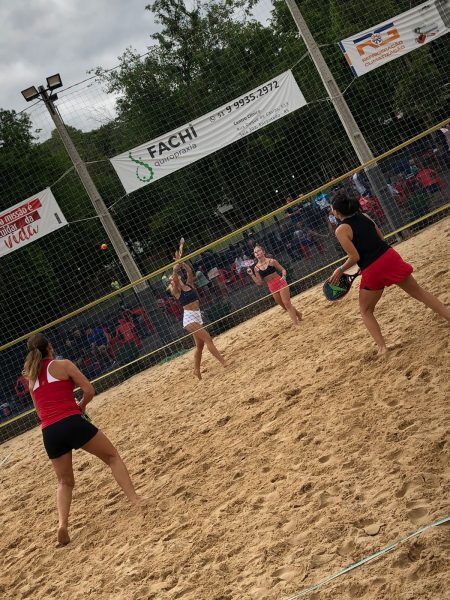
[
  {"x": 143, "y": 290},
  {"x": 47, "y": 95},
  {"x": 364, "y": 153}
]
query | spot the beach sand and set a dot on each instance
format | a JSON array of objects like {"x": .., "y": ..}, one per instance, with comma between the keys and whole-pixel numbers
[{"x": 308, "y": 453}]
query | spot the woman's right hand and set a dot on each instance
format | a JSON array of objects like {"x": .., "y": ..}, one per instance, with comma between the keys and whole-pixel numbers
[
  {"x": 82, "y": 405},
  {"x": 335, "y": 276}
]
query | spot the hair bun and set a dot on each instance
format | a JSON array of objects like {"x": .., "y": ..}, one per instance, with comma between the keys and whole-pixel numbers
[{"x": 345, "y": 204}]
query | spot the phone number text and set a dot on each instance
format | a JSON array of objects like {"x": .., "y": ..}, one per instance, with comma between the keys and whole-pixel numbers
[{"x": 247, "y": 99}]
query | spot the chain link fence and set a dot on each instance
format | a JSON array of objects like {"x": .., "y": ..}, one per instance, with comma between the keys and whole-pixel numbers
[{"x": 272, "y": 186}]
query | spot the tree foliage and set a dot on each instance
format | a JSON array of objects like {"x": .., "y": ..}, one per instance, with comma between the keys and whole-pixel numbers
[{"x": 206, "y": 53}]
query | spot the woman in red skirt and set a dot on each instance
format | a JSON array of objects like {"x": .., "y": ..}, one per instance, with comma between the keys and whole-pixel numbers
[
  {"x": 267, "y": 270},
  {"x": 381, "y": 266}
]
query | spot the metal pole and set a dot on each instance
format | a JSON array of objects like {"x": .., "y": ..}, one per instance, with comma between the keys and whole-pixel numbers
[
  {"x": 374, "y": 173},
  {"x": 143, "y": 290},
  {"x": 122, "y": 251}
]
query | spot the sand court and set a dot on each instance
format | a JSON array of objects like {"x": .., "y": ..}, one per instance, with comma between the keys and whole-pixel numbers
[{"x": 308, "y": 453}]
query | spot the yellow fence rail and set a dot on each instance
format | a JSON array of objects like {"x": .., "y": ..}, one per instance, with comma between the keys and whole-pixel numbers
[{"x": 238, "y": 310}]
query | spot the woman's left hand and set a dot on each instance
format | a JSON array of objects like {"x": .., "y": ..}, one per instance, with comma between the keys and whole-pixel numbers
[{"x": 335, "y": 277}]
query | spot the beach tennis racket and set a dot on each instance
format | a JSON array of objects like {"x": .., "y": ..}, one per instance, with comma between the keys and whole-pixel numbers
[
  {"x": 181, "y": 247},
  {"x": 179, "y": 253},
  {"x": 84, "y": 414},
  {"x": 336, "y": 291},
  {"x": 248, "y": 263}
]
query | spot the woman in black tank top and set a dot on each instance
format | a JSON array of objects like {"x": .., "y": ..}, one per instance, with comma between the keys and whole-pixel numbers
[
  {"x": 187, "y": 295},
  {"x": 381, "y": 266},
  {"x": 267, "y": 270}
]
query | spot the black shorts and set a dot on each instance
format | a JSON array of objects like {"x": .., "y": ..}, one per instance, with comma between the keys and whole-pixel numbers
[{"x": 66, "y": 435}]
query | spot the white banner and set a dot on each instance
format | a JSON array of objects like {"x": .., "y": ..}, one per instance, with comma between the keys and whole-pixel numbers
[
  {"x": 29, "y": 220},
  {"x": 181, "y": 147},
  {"x": 412, "y": 29}
]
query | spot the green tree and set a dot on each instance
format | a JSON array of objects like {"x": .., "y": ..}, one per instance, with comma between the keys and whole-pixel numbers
[
  {"x": 358, "y": 15},
  {"x": 15, "y": 131}
]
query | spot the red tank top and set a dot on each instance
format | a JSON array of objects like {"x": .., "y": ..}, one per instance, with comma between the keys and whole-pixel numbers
[{"x": 54, "y": 399}]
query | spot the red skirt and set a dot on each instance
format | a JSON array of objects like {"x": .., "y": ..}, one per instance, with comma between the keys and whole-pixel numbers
[
  {"x": 276, "y": 284},
  {"x": 388, "y": 269}
]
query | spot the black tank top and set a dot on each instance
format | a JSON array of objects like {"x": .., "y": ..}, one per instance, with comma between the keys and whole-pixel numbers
[
  {"x": 186, "y": 297},
  {"x": 264, "y": 272},
  {"x": 366, "y": 239}
]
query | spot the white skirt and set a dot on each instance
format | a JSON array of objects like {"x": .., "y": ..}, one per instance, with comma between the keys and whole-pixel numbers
[{"x": 192, "y": 316}]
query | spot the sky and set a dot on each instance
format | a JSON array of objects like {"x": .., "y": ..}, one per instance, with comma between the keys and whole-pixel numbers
[{"x": 43, "y": 37}]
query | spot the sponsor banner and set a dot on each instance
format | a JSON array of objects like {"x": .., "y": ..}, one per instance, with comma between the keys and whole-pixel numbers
[
  {"x": 29, "y": 220},
  {"x": 191, "y": 142},
  {"x": 412, "y": 29}
]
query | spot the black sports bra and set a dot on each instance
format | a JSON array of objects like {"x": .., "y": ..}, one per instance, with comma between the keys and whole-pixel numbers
[
  {"x": 264, "y": 272},
  {"x": 186, "y": 297}
]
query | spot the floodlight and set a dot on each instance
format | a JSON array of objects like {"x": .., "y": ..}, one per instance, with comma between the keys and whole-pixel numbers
[
  {"x": 54, "y": 81},
  {"x": 30, "y": 93}
]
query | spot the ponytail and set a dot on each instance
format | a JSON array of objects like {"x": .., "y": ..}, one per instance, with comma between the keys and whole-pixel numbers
[
  {"x": 37, "y": 350},
  {"x": 345, "y": 204}
]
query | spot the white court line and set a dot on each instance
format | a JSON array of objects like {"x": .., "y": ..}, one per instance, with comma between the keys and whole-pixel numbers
[{"x": 2, "y": 462}]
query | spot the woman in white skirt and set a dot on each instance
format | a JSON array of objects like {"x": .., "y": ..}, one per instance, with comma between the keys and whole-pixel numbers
[{"x": 187, "y": 295}]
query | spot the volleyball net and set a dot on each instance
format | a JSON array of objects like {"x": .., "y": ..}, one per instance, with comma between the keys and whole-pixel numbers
[{"x": 227, "y": 142}]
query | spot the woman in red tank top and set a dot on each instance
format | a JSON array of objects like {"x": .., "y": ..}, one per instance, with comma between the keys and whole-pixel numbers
[{"x": 64, "y": 425}]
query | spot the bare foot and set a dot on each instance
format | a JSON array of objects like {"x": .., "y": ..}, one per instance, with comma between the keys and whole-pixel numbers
[
  {"x": 382, "y": 350},
  {"x": 299, "y": 315},
  {"x": 63, "y": 536},
  {"x": 197, "y": 374},
  {"x": 224, "y": 364},
  {"x": 140, "y": 502},
  {"x": 140, "y": 506}
]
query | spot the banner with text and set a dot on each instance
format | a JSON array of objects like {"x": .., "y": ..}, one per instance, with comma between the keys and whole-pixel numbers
[
  {"x": 236, "y": 119},
  {"x": 412, "y": 29},
  {"x": 29, "y": 220}
]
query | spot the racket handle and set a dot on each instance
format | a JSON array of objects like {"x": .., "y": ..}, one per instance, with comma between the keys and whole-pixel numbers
[{"x": 355, "y": 275}]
